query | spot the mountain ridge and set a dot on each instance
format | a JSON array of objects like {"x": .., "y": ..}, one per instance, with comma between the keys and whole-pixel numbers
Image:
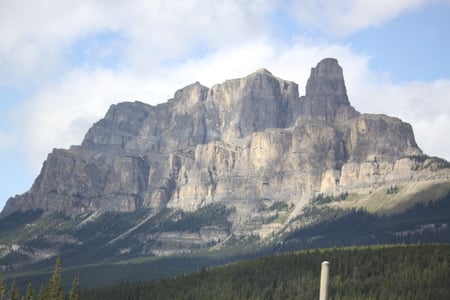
[
  {"x": 227, "y": 113},
  {"x": 250, "y": 152}
]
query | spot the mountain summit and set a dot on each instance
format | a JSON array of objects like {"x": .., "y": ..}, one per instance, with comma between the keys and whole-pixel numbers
[
  {"x": 233, "y": 143},
  {"x": 250, "y": 145}
]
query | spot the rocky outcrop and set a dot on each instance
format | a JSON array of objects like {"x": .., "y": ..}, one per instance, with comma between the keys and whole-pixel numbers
[
  {"x": 249, "y": 143},
  {"x": 326, "y": 97},
  {"x": 239, "y": 107}
]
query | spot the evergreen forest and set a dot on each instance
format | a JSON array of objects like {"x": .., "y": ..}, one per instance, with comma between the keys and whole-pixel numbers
[{"x": 375, "y": 272}]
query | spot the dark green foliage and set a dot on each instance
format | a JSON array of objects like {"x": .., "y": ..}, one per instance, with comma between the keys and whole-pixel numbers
[
  {"x": 97, "y": 234},
  {"x": 18, "y": 219},
  {"x": 208, "y": 215},
  {"x": 420, "y": 158},
  {"x": 44, "y": 292},
  {"x": 323, "y": 199},
  {"x": 2, "y": 288},
  {"x": 75, "y": 290},
  {"x": 51, "y": 291},
  {"x": 383, "y": 272},
  {"x": 14, "y": 291},
  {"x": 318, "y": 214},
  {"x": 30, "y": 293},
  {"x": 13, "y": 257},
  {"x": 424, "y": 222},
  {"x": 11, "y": 228},
  {"x": 439, "y": 163},
  {"x": 332, "y": 228},
  {"x": 29, "y": 229},
  {"x": 56, "y": 284},
  {"x": 279, "y": 206},
  {"x": 136, "y": 270},
  {"x": 328, "y": 227},
  {"x": 109, "y": 224},
  {"x": 393, "y": 189}
]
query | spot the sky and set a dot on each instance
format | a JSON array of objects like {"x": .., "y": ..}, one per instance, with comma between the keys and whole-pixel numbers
[{"x": 63, "y": 63}]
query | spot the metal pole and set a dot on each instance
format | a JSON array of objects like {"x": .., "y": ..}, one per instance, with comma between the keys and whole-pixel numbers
[{"x": 324, "y": 278}]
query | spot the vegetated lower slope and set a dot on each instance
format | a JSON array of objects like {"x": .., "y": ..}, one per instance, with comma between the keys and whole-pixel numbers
[
  {"x": 97, "y": 265},
  {"x": 376, "y": 272},
  {"x": 85, "y": 243},
  {"x": 426, "y": 222},
  {"x": 395, "y": 198}
]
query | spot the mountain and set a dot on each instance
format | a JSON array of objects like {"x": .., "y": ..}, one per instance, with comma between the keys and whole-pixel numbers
[{"x": 241, "y": 160}]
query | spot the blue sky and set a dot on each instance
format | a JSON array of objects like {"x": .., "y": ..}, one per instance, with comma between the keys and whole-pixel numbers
[{"x": 63, "y": 63}]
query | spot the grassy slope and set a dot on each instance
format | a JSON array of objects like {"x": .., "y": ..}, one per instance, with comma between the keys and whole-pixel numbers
[{"x": 407, "y": 195}]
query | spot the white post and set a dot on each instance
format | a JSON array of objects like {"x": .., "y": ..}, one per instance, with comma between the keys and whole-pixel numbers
[{"x": 324, "y": 278}]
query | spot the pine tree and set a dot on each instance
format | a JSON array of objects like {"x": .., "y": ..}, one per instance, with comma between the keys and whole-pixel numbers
[
  {"x": 30, "y": 294},
  {"x": 75, "y": 292},
  {"x": 2, "y": 288},
  {"x": 14, "y": 292},
  {"x": 44, "y": 292},
  {"x": 55, "y": 285}
]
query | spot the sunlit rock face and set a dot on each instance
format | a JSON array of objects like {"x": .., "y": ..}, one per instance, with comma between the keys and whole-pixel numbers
[{"x": 247, "y": 143}]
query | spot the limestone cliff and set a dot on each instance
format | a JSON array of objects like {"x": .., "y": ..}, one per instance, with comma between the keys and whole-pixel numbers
[{"x": 247, "y": 143}]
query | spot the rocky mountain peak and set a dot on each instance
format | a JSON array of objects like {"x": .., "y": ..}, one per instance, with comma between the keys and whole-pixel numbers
[
  {"x": 192, "y": 93},
  {"x": 246, "y": 143},
  {"x": 328, "y": 68},
  {"x": 263, "y": 71},
  {"x": 326, "y": 95},
  {"x": 239, "y": 107}
]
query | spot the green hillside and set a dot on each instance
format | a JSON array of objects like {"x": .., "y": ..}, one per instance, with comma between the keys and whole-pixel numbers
[
  {"x": 376, "y": 272},
  {"x": 423, "y": 223}
]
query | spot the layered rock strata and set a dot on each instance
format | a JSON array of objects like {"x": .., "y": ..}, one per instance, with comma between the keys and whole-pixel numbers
[{"x": 247, "y": 143}]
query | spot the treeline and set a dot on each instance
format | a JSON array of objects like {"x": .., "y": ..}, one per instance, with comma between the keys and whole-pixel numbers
[
  {"x": 53, "y": 290},
  {"x": 376, "y": 272}
]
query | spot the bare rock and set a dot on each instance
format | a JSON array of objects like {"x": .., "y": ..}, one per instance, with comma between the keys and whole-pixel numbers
[{"x": 249, "y": 143}]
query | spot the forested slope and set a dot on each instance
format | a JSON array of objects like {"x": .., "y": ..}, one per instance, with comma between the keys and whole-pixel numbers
[{"x": 377, "y": 272}]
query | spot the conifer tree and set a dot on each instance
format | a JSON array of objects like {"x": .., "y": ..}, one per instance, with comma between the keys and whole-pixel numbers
[
  {"x": 2, "y": 288},
  {"x": 30, "y": 294},
  {"x": 14, "y": 292},
  {"x": 55, "y": 285},
  {"x": 44, "y": 293},
  {"x": 75, "y": 291}
]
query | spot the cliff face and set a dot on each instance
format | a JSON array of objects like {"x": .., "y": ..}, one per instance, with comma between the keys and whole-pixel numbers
[
  {"x": 247, "y": 143},
  {"x": 326, "y": 97}
]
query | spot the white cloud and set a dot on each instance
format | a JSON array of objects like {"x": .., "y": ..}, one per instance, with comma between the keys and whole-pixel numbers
[
  {"x": 343, "y": 17},
  {"x": 37, "y": 36},
  {"x": 162, "y": 30},
  {"x": 431, "y": 134}
]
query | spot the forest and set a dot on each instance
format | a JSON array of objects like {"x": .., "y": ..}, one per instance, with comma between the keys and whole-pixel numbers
[
  {"x": 53, "y": 290},
  {"x": 415, "y": 266},
  {"x": 373, "y": 272}
]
